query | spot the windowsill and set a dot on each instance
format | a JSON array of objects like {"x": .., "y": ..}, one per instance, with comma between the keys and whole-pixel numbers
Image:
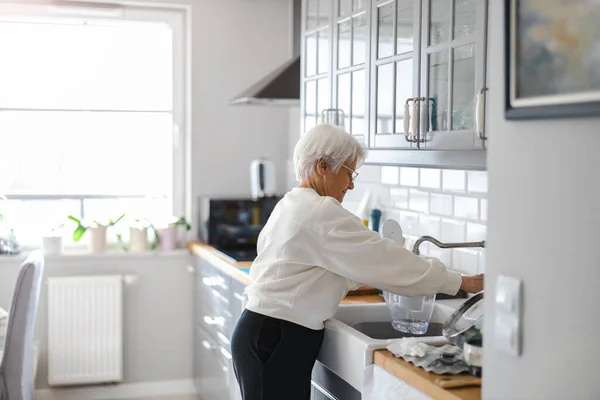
[{"x": 75, "y": 253}]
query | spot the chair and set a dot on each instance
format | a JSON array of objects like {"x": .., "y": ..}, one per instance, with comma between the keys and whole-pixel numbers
[{"x": 16, "y": 375}]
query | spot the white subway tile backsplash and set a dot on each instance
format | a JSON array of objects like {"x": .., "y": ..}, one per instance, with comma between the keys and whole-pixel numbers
[
  {"x": 449, "y": 205},
  {"x": 466, "y": 207},
  {"x": 476, "y": 232},
  {"x": 453, "y": 230},
  {"x": 409, "y": 221},
  {"x": 477, "y": 182},
  {"x": 465, "y": 261},
  {"x": 389, "y": 175},
  {"x": 430, "y": 225},
  {"x": 369, "y": 174},
  {"x": 444, "y": 255},
  {"x": 409, "y": 176},
  {"x": 454, "y": 181},
  {"x": 440, "y": 204},
  {"x": 483, "y": 211},
  {"x": 418, "y": 200},
  {"x": 431, "y": 178},
  {"x": 399, "y": 198}
]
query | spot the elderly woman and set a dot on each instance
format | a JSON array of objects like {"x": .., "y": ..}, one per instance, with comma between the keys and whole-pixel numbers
[{"x": 311, "y": 252}]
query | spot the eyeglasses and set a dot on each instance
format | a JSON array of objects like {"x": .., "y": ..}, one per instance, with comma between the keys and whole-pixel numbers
[{"x": 354, "y": 173}]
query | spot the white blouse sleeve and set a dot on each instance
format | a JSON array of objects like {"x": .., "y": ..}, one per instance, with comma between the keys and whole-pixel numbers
[{"x": 354, "y": 251}]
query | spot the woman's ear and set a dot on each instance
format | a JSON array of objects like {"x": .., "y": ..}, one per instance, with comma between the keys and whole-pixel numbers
[{"x": 321, "y": 167}]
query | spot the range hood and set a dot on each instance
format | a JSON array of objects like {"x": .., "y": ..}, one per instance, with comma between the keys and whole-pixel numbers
[{"x": 282, "y": 86}]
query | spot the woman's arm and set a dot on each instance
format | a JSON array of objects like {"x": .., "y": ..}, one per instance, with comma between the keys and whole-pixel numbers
[{"x": 352, "y": 250}]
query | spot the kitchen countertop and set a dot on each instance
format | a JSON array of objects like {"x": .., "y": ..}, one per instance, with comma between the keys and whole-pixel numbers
[
  {"x": 233, "y": 269},
  {"x": 414, "y": 376},
  {"x": 420, "y": 379}
]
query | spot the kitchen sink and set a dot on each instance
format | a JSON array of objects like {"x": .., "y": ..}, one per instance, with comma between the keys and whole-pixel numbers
[
  {"x": 384, "y": 330},
  {"x": 357, "y": 330}
]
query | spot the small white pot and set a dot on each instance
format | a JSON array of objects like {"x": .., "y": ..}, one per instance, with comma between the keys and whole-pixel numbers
[
  {"x": 97, "y": 239},
  {"x": 138, "y": 239},
  {"x": 52, "y": 245}
]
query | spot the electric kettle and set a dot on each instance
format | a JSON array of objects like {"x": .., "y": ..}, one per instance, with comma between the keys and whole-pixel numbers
[{"x": 262, "y": 178}]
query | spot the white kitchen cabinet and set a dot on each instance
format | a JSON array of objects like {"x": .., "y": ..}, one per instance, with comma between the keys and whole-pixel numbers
[
  {"x": 370, "y": 58},
  {"x": 217, "y": 308}
]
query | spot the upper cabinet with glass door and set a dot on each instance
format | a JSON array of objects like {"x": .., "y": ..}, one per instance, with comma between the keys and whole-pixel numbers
[
  {"x": 317, "y": 34},
  {"x": 351, "y": 66},
  {"x": 453, "y": 73},
  {"x": 394, "y": 70}
]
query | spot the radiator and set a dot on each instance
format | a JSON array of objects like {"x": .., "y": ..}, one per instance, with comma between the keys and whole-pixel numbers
[{"x": 85, "y": 329}]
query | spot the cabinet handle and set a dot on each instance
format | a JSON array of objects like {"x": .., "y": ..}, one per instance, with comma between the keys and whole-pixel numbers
[
  {"x": 225, "y": 353},
  {"x": 238, "y": 296},
  {"x": 480, "y": 114},
  {"x": 416, "y": 118},
  {"x": 214, "y": 321},
  {"x": 208, "y": 345},
  {"x": 210, "y": 282},
  {"x": 191, "y": 269},
  {"x": 406, "y": 120}
]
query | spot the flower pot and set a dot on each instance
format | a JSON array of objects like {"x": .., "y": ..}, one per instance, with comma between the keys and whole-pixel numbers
[
  {"x": 97, "y": 239},
  {"x": 52, "y": 245},
  {"x": 138, "y": 239},
  {"x": 168, "y": 238}
]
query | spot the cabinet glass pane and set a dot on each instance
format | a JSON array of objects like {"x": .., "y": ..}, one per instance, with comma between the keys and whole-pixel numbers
[
  {"x": 465, "y": 17},
  {"x": 344, "y": 43},
  {"x": 323, "y": 96},
  {"x": 438, "y": 90},
  {"x": 360, "y": 38},
  {"x": 404, "y": 89},
  {"x": 311, "y": 54},
  {"x": 463, "y": 88},
  {"x": 385, "y": 31},
  {"x": 325, "y": 12},
  {"x": 343, "y": 96},
  {"x": 405, "y": 26},
  {"x": 345, "y": 8},
  {"x": 312, "y": 14},
  {"x": 324, "y": 59},
  {"x": 310, "y": 104},
  {"x": 439, "y": 21},
  {"x": 359, "y": 5},
  {"x": 385, "y": 98},
  {"x": 357, "y": 123}
]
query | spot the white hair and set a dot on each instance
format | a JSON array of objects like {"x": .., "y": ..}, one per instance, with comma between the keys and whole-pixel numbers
[{"x": 329, "y": 143}]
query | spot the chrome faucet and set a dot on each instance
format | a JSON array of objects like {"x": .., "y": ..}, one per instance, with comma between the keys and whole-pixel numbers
[{"x": 444, "y": 245}]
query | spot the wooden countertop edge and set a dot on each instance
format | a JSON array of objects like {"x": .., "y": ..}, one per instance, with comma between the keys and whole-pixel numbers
[
  {"x": 208, "y": 253},
  {"x": 420, "y": 379}
]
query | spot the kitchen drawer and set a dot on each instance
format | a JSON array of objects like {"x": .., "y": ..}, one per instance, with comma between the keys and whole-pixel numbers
[
  {"x": 212, "y": 277},
  {"x": 212, "y": 371}
]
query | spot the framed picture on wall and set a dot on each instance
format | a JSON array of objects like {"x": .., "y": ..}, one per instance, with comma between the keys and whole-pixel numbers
[{"x": 552, "y": 58}]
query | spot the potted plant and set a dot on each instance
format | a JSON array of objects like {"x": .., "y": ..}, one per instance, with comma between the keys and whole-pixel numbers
[
  {"x": 167, "y": 235},
  {"x": 97, "y": 230},
  {"x": 138, "y": 236}
]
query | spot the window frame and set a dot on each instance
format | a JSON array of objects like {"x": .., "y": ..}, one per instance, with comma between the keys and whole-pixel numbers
[{"x": 178, "y": 17}]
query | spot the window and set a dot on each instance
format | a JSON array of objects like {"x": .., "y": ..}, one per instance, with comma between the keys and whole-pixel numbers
[{"x": 92, "y": 109}]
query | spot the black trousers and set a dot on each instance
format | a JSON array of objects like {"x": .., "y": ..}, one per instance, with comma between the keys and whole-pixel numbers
[{"x": 273, "y": 359}]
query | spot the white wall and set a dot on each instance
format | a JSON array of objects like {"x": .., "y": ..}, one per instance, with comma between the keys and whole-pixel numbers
[
  {"x": 544, "y": 227},
  {"x": 157, "y": 313},
  {"x": 235, "y": 43}
]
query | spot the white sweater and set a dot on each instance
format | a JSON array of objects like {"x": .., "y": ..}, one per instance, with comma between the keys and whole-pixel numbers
[{"x": 312, "y": 251}]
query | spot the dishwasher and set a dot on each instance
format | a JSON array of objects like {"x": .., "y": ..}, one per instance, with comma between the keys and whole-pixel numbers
[{"x": 326, "y": 385}]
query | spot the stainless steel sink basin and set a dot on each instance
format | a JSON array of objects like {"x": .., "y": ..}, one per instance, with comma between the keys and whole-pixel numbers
[{"x": 384, "y": 330}]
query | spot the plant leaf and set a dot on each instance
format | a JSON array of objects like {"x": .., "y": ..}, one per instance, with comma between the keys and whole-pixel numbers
[
  {"x": 72, "y": 218},
  {"x": 79, "y": 232}
]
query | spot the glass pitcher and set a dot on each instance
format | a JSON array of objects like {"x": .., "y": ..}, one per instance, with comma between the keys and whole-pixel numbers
[{"x": 410, "y": 314}]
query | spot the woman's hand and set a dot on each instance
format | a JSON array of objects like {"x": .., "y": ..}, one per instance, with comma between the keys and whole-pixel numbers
[{"x": 472, "y": 283}]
